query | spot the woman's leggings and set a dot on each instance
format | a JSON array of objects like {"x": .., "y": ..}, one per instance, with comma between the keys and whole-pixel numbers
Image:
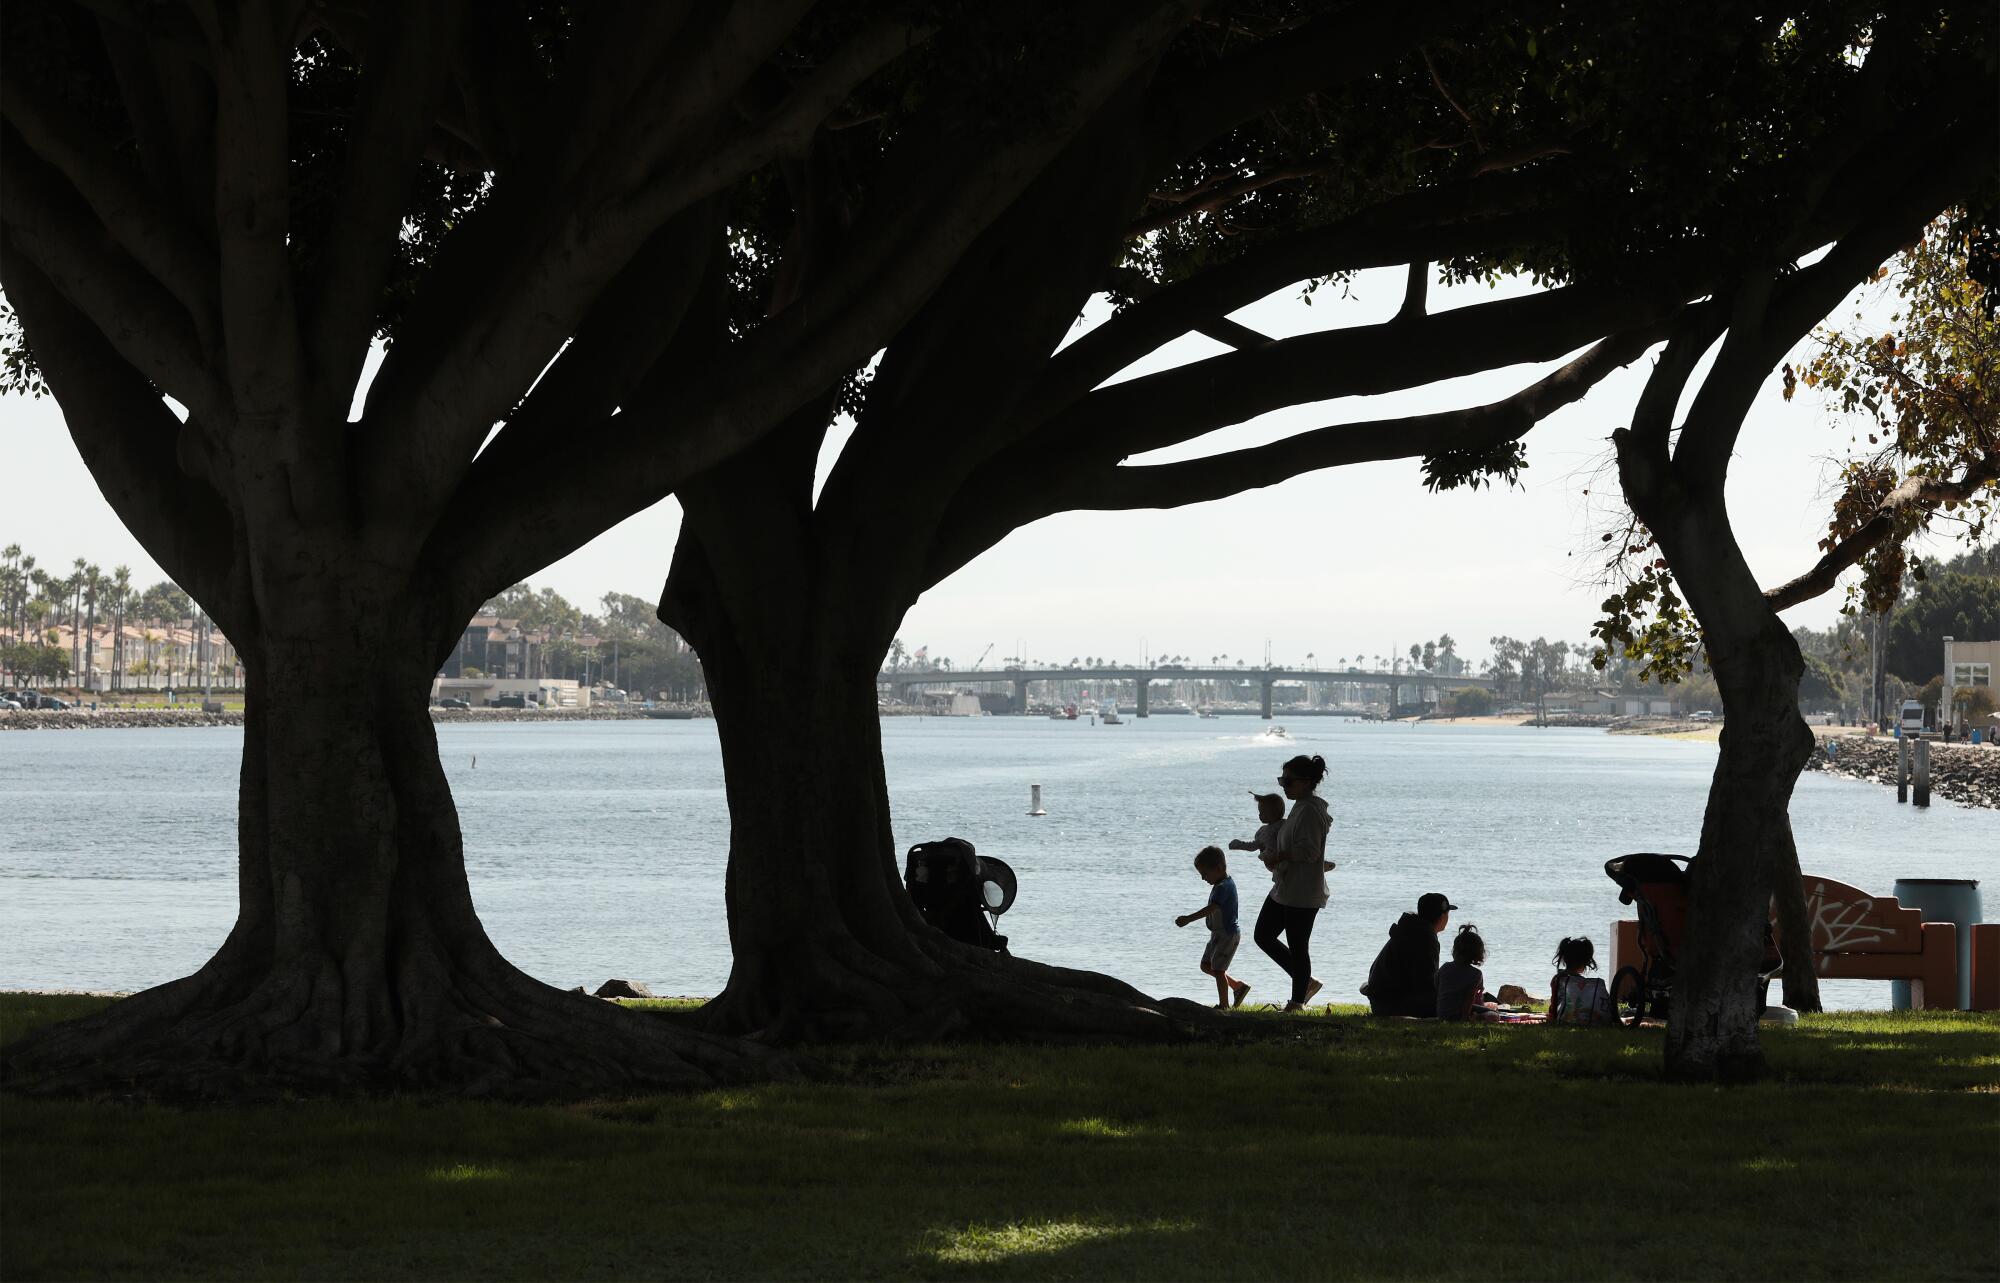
[{"x": 1297, "y": 924}]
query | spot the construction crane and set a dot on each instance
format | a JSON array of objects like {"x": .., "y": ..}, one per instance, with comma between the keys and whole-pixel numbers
[{"x": 982, "y": 657}]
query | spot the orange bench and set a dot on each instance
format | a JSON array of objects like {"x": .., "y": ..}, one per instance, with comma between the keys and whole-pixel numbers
[{"x": 1857, "y": 936}]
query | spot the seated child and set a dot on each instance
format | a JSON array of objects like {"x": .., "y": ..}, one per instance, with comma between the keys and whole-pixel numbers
[
  {"x": 1224, "y": 934},
  {"x": 1574, "y": 998},
  {"x": 1270, "y": 816},
  {"x": 1461, "y": 986}
]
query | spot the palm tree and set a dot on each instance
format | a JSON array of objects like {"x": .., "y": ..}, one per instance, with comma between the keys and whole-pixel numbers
[
  {"x": 93, "y": 584},
  {"x": 11, "y": 579},
  {"x": 34, "y": 614},
  {"x": 75, "y": 586},
  {"x": 121, "y": 601}
]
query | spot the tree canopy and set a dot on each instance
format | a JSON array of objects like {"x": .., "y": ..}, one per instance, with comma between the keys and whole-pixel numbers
[{"x": 684, "y": 239}]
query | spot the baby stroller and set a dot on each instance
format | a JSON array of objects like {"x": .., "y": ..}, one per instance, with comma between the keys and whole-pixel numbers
[
  {"x": 1660, "y": 886},
  {"x": 959, "y": 891}
]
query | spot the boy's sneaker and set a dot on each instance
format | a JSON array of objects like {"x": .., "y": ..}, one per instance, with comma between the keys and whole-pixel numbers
[
  {"x": 1292, "y": 1008},
  {"x": 1222, "y": 1006},
  {"x": 1312, "y": 989},
  {"x": 1240, "y": 990}
]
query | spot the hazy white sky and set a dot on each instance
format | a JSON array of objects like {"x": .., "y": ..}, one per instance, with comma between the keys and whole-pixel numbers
[{"x": 1351, "y": 561}]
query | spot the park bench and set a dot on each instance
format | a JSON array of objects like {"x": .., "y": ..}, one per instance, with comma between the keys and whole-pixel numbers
[{"x": 1858, "y": 936}]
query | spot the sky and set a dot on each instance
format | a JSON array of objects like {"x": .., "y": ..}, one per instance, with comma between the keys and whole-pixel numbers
[{"x": 1352, "y": 561}]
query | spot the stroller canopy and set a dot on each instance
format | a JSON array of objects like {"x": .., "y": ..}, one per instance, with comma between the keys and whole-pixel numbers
[{"x": 1644, "y": 870}]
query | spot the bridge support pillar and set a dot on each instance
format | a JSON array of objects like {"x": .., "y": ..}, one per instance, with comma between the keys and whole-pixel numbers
[
  {"x": 1269, "y": 685},
  {"x": 1021, "y": 696},
  {"x": 1145, "y": 696}
]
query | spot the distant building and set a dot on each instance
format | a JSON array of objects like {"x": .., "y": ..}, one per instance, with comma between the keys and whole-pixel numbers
[
  {"x": 481, "y": 692},
  {"x": 1968, "y": 665},
  {"x": 149, "y": 656},
  {"x": 950, "y": 703},
  {"x": 496, "y": 647},
  {"x": 1639, "y": 704}
]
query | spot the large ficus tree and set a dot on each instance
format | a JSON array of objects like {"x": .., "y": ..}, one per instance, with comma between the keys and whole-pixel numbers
[
  {"x": 211, "y": 210},
  {"x": 1662, "y": 173},
  {"x": 677, "y": 235}
]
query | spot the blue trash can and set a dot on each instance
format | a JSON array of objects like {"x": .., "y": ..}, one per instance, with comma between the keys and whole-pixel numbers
[{"x": 1954, "y": 900}]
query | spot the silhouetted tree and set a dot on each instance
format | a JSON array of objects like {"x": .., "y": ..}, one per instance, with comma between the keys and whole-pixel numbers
[
  {"x": 1284, "y": 152},
  {"x": 665, "y": 230},
  {"x": 1675, "y": 483}
]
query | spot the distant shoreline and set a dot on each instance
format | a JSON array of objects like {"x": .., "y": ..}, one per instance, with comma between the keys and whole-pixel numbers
[{"x": 85, "y": 719}]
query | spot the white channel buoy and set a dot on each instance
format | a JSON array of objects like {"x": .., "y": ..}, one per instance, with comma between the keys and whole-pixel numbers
[{"x": 1035, "y": 800}]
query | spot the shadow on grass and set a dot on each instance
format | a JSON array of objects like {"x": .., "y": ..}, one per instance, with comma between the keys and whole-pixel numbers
[{"x": 1323, "y": 1150}]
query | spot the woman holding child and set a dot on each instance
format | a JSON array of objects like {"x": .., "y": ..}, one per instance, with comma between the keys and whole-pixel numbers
[{"x": 1298, "y": 877}]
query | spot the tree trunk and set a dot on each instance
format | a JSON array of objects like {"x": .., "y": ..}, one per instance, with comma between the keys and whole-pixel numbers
[
  {"x": 1746, "y": 830},
  {"x": 1713, "y": 1030},
  {"x": 357, "y": 961},
  {"x": 826, "y": 942},
  {"x": 1788, "y": 901}
]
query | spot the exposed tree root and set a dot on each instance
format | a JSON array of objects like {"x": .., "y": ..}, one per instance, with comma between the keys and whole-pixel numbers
[
  {"x": 960, "y": 992},
  {"x": 204, "y": 1038}
]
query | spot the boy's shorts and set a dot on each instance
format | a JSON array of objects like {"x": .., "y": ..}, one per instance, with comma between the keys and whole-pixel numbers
[{"x": 1221, "y": 949}]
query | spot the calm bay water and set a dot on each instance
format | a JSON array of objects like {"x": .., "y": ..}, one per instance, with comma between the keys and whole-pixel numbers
[{"x": 597, "y": 849}]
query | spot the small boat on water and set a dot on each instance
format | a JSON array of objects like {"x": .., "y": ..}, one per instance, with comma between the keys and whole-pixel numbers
[
  {"x": 1276, "y": 733},
  {"x": 1111, "y": 717},
  {"x": 671, "y": 714},
  {"x": 1208, "y": 715}
]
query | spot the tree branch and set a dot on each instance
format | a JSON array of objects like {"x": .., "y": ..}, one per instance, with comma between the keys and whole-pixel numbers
[
  {"x": 1132, "y": 281},
  {"x": 125, "y": 433},
  {"x": 1416, "y": 286},
  {"x": 1172, "y": 485},
  {"x": 1217, "y": 193},
  {"x": 846, "y": 314},
  {"x": 623, "y": 338},
  {"x": 1435, "y": 224},
  {"x": 1027, "y": 493},
  {"x": 1184, "y": 402},
  {"x": 401, "y": 87},
  {"x": 266, "y": 365},
  {"x": 1914, "y": 496},
  {"x": 1342, "y": 46},
  {"x": 169, "y": 96},
  {"x": 787, "y": 129},
  {"x": 1930, "y": 179},
  {"x": 145, "y": 324},
  {"x": 158, "y": 241},
  {"x": 478, "y": 351}
]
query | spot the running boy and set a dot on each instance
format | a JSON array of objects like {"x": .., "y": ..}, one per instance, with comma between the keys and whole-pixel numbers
[{"x": 1224, "y": 934}]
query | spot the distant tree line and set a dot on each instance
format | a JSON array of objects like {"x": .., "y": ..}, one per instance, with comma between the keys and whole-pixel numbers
[
  {"x": 1959, "y": 598},
  {"x": 37, "y": 605},
  {"x": 623, "y": 643}
]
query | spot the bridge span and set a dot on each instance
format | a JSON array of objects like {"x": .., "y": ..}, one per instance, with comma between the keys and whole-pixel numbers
[{"x": 905, "y": 682}]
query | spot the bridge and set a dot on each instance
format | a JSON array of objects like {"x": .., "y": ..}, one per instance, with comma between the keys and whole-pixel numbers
[{"x": 904, "y": 683}]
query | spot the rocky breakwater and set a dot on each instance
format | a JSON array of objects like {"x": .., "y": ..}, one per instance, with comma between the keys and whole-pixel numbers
[
  {"x": 77, "y": 719},
  {"x": 1963, "y": 773},
  {"x": 595, "y": 713}
]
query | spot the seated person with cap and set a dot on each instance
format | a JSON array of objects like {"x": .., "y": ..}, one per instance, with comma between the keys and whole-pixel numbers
[{"x": 1403, "y": 979}]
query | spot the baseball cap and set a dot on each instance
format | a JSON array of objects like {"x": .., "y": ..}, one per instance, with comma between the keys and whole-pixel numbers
[{"x": 1431, "y": 903}]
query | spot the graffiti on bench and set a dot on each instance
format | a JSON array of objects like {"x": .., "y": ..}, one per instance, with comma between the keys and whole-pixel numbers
[{"x": 1847, "y": 919}]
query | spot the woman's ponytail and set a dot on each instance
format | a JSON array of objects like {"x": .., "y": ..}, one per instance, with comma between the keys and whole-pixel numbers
[{"x": 1310, "y": 769}]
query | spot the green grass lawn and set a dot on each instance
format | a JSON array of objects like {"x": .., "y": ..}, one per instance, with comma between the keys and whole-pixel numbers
[{"x": 1356, "y": 1150}]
